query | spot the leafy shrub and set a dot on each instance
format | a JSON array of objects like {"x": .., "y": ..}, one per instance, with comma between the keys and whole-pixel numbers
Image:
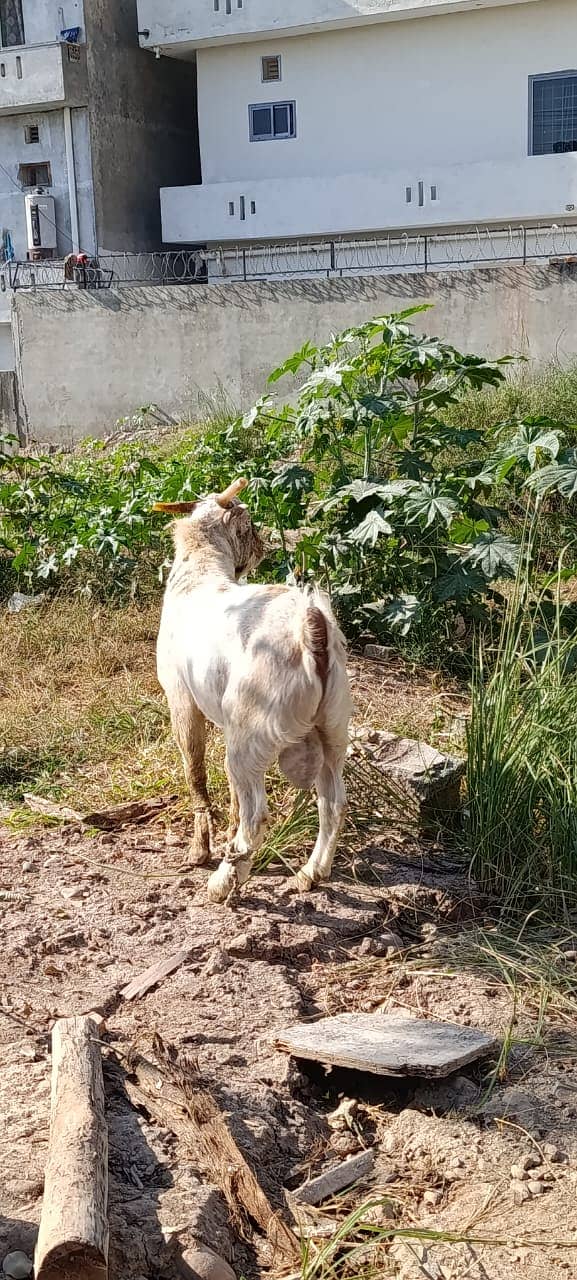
[{"x": 410, "y": 517}]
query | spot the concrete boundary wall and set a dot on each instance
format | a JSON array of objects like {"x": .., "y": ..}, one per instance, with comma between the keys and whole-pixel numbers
[{"x": 84, "y": 359}]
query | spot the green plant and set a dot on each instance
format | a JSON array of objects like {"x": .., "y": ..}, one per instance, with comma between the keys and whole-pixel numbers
[
  {"x": 400, "y": 504},
  {"x": 521, "y": 822}
]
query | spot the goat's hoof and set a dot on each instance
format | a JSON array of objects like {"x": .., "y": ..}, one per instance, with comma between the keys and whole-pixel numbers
[
  {"x": 199, "y": 850},
  {"x": 222, "y": 883},
  {"x": 300, "y": 883}
]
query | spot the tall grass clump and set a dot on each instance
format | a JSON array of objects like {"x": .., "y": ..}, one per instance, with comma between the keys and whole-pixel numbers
[
  {"x": 527, "y": 392},
  {"x": 522, "y": 760}
]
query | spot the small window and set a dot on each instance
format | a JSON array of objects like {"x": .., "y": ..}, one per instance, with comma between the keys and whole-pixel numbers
[
  {"x": 32, "y": 133},
  {"x": 272, "y": 120},
  {"x": 271, "y": 69},
  {"x": 34, "y": 175},
  {"x": 553, "y": 114}
]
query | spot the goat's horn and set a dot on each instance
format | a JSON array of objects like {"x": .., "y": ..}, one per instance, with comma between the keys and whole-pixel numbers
[
  {"x": 176, "y": 508},
  {"x": 225, "y": 499}
]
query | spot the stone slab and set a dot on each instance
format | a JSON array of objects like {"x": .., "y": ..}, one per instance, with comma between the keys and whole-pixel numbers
[{"x": 387, "y": 1045}]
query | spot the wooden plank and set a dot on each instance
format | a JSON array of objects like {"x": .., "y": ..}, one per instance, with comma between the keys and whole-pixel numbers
[
  {"x": 334, "y": 1180},
  {"x": 387, "y": 1045},
  {"x": 50, "y": 809},
  {"x": 128, "y": 813},
  {"x": 173, "y": 1093},
  {"x": 154, "y": 974},
  {"x": 73, "y": 1236}
]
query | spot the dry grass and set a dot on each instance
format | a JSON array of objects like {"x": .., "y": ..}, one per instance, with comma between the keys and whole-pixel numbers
[
  {"x": 82, "y": 716},
  {"x": 83, "y": 720}
]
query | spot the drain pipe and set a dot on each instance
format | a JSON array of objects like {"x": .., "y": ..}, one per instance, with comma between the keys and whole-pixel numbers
[{"x": 72, "y": 191}]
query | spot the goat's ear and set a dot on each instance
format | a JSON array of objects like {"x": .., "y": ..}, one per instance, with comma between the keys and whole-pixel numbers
[
  {"x": 225, "y": 499},
  {"x": 175, "y": 508}
]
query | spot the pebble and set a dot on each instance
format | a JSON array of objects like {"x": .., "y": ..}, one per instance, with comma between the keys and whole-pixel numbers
[
  {"x": 17, "y": 1266},
  {"x": 536, "y": 1188},
  {"x": 432, "y": 1198},
  {"x": 203, "y": 1264},
  {"x": 518, "y": 1173},
  {"x": 529, "y": 1162},
  {"x": 27, "y": 866},
  {"x": 72, "y": 892},
  {"x": 553, "y": 1153},
  {"x": 520, "y": 1191},
  {"x": 217, "y": 962}
]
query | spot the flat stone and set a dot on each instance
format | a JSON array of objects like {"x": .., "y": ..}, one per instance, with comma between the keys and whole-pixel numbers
[
  {"x": 423, "y": 769},
  {"x": 17, "y": 1266},
  {"x": 387, "y": 1045}
]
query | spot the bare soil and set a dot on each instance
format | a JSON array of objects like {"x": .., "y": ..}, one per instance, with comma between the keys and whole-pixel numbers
[{"x": 82, "y": 915}]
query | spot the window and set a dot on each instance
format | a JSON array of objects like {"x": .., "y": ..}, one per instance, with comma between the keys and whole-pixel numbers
[
  {"x": 270, "y": 69},
  {"x": 32, "y": 133},
  {"x": 272, "y": 120},
  {"x": 34, "y": 175},
  {"x": 11, "y": 23},
  {"x": 553, "y": 114}
]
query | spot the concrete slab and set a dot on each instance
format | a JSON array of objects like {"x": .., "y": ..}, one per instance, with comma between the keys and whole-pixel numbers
[{"x": 387, "y": 1045}]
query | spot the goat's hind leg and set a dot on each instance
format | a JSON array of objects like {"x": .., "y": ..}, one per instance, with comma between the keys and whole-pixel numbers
[
  {"x": 248, "y": 792},
  {"x": 189, "y": 729},
  {"x": 332, "y": 805}
]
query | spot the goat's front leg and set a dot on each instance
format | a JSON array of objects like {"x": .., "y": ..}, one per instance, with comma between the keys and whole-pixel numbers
[
  {"x": 234, "y": 811},
  {"x": 253, "y": 814},
  {"x": 189, "y": 729}
]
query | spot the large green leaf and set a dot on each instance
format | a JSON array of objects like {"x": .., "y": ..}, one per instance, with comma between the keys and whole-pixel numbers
[
  {"x": 494, "y": 555},
  {"x": 400, "y": 613},
  {"x": 560, "y": 476},
  {"x": 374, "y": 525},
  {"x": 424, "y": 502},
  {"x": 458, "y": 582}
]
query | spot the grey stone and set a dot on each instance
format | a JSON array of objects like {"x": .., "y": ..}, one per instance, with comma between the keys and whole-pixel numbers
[
  {"x": 553, "y": 1153},
  {"x": 536, "y": 1188},
  {"x": 513, "y": 1104},
  {"x": 387, "y": 1045},
  {"x": 18, "y": 601},
  {"x": 378, "y": 652},
  {"x": 455, "y": 1094},
  {"x": 203, "y": 1264},
  {"x": 520, "y": 1192},
  {"x": 17, "y": 1266}
]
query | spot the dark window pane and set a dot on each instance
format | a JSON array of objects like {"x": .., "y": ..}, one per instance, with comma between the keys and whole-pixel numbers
[
  {"x": 261, "y": 122},
  {"x": 554, "y": 115}
]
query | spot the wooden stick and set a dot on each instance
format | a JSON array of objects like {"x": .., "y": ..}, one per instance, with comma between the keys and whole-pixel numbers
[
  {"x": 153, "y": 975},
  {"x": 174, "y": 1094},
  {"x": 73, "y": 1237},
  {"x": 329, "y": 1184}
]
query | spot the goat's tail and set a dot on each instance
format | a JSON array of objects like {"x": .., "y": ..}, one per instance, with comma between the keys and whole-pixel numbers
[
  {"x": 321, "y": 638},
  {"x": 324, "y": 656}
]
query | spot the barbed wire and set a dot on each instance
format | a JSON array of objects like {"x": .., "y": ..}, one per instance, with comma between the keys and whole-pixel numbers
[{"x": 386, "y": 254}]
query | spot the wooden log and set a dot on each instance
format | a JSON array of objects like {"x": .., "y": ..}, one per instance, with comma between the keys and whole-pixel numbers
[
  {"x": 73, "y": 1236},
  {"x": 174, "y": 1094}
]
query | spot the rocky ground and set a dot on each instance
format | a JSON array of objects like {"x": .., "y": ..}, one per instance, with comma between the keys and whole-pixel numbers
[{"x": 493, "y": 1169}]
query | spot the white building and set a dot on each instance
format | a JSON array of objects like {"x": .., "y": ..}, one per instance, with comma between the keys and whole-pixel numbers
[
  {"x": 330, "y": 118},
  {"x": 94, "y": 122}
]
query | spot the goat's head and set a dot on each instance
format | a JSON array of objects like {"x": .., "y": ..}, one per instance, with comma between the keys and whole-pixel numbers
[{"x": 221, "y": 516}]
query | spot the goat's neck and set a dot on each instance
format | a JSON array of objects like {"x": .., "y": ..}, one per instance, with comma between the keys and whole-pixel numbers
[{"x": 200, "y": 559}]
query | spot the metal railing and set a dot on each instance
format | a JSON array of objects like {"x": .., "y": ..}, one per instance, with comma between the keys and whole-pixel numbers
[
  {"x": 387, "y": 254},
  {"x": 381, "y": 255},
  {"x": 116, "y": 270}
]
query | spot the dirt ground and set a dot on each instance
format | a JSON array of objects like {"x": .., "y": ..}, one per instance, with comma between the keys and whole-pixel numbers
[{"x": 82, "y": 914}]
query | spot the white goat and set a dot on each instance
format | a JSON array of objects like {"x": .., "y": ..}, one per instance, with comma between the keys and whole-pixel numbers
[{"x": 264, "y": 663}]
